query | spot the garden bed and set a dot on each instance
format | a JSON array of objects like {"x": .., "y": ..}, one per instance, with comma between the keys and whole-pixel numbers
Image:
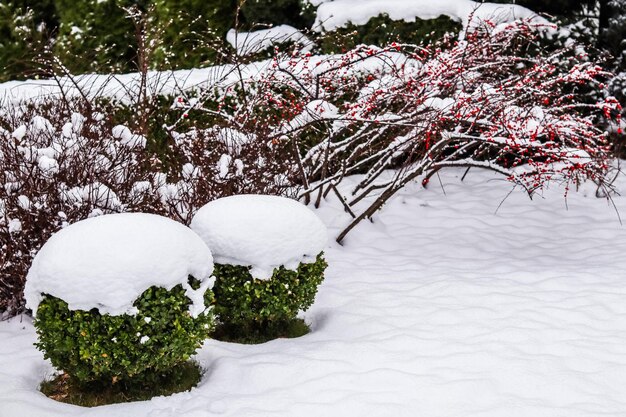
[{"x": 444, "y": 306}]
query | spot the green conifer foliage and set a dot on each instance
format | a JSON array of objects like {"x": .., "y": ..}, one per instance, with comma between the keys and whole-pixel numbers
[
  {"x": 96, "y": 35},
  {"x": 191, "y": 30},
  {"x": 297, "y": 13},
  {"x": 381, "y": 30},
  {"x": 24, "y": 32},
  {"x": 613, "y": 36}
]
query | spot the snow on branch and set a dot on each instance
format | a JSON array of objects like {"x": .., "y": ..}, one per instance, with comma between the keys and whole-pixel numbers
[{"x": 483, "y": 102}]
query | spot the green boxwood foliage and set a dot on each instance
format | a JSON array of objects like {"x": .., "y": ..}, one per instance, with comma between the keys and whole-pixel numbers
[
  {"x": 242, "y": 301},
  {"x": 382, "y": 30},
  {"x": 90, "y": 346}
]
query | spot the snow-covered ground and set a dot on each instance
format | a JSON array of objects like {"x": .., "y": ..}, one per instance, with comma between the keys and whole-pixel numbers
[{"x": 442, "y": 307}]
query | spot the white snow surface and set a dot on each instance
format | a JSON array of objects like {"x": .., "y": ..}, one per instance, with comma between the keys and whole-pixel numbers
[
  {"x": 338, "y": 13},
  {"x": 127, "y": 138},
  {"x": 107, "y": 262},
  {"x": 261, "y": 231},
  {"x": 314, "y": 110},
  {"x": 246, "y": 43},
  {"x": 443, "y": 307},
  {"x": 234, "y": 139}
]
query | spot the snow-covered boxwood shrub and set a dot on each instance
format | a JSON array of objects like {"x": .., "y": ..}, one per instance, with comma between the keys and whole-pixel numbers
[
  {"x": 121, "y": 297},
  {"x": 268, "y": 254},
  {"x": 243, "y": 301},
  {"x": 91, "y": 346}
]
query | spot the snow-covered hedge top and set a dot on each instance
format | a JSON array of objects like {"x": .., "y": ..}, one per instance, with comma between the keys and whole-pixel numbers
[
  {"x": 107, "y": 262},
  {"x": 338, "y": 13},
  {"x": 261, "y": 231},
  {"x": 252, "y": 42}
]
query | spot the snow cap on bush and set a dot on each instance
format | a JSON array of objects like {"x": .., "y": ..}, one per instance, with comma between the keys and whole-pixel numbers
[
  {"x": 107, "y": 262},
  {"x": 261, "y": 231}
]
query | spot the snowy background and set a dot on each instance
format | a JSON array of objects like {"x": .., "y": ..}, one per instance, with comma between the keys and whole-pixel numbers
[
  {"x": 462, "y": 299},
  {"x": 441, "y": 307}
]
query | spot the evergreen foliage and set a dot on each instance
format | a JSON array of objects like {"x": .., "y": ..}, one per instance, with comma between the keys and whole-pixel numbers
[
  {"x": 180, "y": 378},
  {"x": 382, "y": 30},
  {"x": 188, "y": 33},
  {"x": 297, "y": 13},
  {"x": 613, "y": 37},
  {"x": 91, "y": 347},
  {"x": 192, "y": 30},
  {"x": 24, "y": 31},
  {"x": 96, "y": 36},
  {"x": 244, "y": 302}
]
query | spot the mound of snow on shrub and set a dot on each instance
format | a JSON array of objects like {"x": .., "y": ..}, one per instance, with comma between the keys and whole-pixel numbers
[
  {"x": 107, "y": 262},
  {"x": 261, "y": 231},
  {"x": 334, "y": 14}
]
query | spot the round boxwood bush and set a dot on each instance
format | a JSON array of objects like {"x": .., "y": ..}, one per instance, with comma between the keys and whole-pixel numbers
[
  {"x": 251, "y": 306},
  {"x": 90, "y": 346},
  {"x": 121, "y": 302},
  {"x": 268, "y": 253}
]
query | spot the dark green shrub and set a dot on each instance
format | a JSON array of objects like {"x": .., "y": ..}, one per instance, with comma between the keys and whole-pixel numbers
[
  {"x": 192, "y": 31},
  {"x": 24, "y": 33},
  {"x": 382, "y": 30},
  {"x": 297, "y": 13},
  {"x": 244, "y": 302},
  {"x": 613, "y": 36},
  {"x": 97, "y": 31},
  {"x": 180, "y": 378},
  {"x": 90, "y": 346}
]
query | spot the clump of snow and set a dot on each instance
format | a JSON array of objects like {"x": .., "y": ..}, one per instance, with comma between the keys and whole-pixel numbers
[
  {"x": 47, "y": 164},
  {"x": 19, "y": 133},
  {"x": 264, "y": 232},
  {"x": 15, "y": 226},
  {"x": 107, "y": 262},
  {"x": 239, "y": 166},
  {"x": 41, "y": 125},
  {"x": 95, "y": 193},
  {"x": 78, "y": 120},
  {"x": 224, "y": 164},
  {"x": 127, "y": 138},
  {"x": 234, "y": 139},
  {"x": 246, "y": 43},
  {"x": 313, "y": 111},
  {"x": 24, "y": 202},
  {"x": 189, "y": 171},
  {"x": 439, "y": 103}
]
